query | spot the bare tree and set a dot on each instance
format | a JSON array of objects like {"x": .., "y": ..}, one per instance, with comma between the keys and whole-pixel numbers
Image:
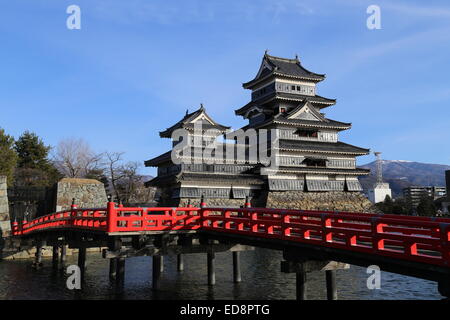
[
  {"x": 113, "y": 166},
  {"x": 131, "y": 185},
  {"x": 74, "y": 158},
  {"x": 127, "y": 183},
  {"x": 143, "y": 194}
]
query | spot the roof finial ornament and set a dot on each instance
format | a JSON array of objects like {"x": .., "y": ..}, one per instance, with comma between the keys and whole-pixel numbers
[
  {"x": 187, "y": 111},
  {"x": 201, "y": 106},
  {"x": 266, "y": 52},
  {"x": 296, "y": 56}
]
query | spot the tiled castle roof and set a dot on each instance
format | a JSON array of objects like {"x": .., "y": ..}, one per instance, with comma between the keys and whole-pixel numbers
[
  {"x": 319, "y": 101},
  {"x": 283, "y": 67},
  {"x": 187, "y": 123},
  {"x": 326, "y": 147}
]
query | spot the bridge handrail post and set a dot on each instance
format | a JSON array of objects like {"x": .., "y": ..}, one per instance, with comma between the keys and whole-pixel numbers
[
  {"x": 227, "y": 216},
  {"x": 203, "y": 212},
  {"x": 326, "y": 223},
  {"x": 14, "y": 227},
  {"x": 111, "y": 216},
  {"x": 445, "y": 242},
  {"x": 202, "y": 201},
  {"x": 173, "y": 217},
  {"x": 247, "y": 203},
  {"x": 285, "y": 228},
  {"x": 22, "y": 225},
  {"x": 377, "y": 229},
  {"x": 254, "y": 222},
  {"x": 73, "y": 215}
]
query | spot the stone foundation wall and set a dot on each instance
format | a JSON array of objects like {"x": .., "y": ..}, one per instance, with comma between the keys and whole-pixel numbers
[
  {"x": 333, "y": 200},
  {"x": 5, "y": 224},
  {"x": 88, "y": 193}
]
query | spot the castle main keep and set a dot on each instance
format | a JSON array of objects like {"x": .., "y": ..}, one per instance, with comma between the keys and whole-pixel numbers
[{"x": 309, "y": 168}]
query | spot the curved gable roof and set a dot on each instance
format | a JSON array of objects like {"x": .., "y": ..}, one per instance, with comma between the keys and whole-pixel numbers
[
  {"x": 272, "y": 65},
  {"x": 190, "y": 119}
]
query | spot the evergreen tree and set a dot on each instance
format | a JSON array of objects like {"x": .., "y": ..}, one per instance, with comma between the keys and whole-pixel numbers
[
  {"x": 397, "y": 206},
  {"x": 401, "y": 206},
  {"x": 426, "y": 207},
  {"x": 386, "y": 205},
  {"x": 33, "y": 166},
  {"x": 32, "y": 151},
  {"x": 8, "y": 156}
]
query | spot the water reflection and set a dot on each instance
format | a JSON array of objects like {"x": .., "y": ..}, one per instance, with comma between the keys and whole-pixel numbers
[{"x": 261, "y": 279}]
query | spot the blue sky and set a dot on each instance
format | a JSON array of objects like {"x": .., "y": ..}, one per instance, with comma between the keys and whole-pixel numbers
[{"x": 136, "y": 66}]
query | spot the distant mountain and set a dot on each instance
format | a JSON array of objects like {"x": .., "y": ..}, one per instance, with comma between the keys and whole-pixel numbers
[
  {"x": 402, "y": 174},
  {"x": 145, "y": 178}
]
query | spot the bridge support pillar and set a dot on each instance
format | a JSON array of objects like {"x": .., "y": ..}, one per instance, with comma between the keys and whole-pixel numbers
[
  {"x": 38, "y": 256},
  {"x": 82, "y": 261},
  {"x": 156, "y": 271},
  {"x": 331, "y": 284},
  {"x": 55, "y": 256},
  {"x": 302, "y": 266},
  {"x": 444, "y": 287},
  {"x": 236, "y": 267},
  {"x": 300, "y": 285},
  {"x": 112, "y": 268},
  {"x": 120, "y": 272},
  {"x": 117, "y": 265},
  {"x": 180, "y": 262},
  {"x": 63, "y": 256},
  {"x": 114, "y": 244},
  {"x": 161, "y": 241},
  {"x": 211, "y": 271}
]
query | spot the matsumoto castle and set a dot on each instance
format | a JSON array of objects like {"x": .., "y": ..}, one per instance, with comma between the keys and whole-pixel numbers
[{"x": 314, "y": 169}]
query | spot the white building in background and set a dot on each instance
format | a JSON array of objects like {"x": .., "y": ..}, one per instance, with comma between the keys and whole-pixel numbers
[
  {"x": 380, "y": 189},
  {"x": 379, "y": 192},
  {"x": 445, "y": 201}
]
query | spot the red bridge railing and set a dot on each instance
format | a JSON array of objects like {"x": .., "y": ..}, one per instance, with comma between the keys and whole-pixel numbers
[
  {"x": 126, "y": 219},
  {"x": 114, "y": 219},
  {"x": 421, "y": 239}
]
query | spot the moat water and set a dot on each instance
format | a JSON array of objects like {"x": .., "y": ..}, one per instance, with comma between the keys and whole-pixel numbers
[{"x": 261, "y": 277}]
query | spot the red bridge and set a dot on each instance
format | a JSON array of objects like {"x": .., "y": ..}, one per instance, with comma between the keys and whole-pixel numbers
[{"x": 414, "y": 246}]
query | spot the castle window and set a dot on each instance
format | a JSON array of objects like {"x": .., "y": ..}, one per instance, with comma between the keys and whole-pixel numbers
[
  {"x": 307, "y": 133},
  {"x": 315, "y": 162},
  {"x": 293, "y": 87},
  {"x": 298, "y": 88},
  {"x": 282, "y": 110}
]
